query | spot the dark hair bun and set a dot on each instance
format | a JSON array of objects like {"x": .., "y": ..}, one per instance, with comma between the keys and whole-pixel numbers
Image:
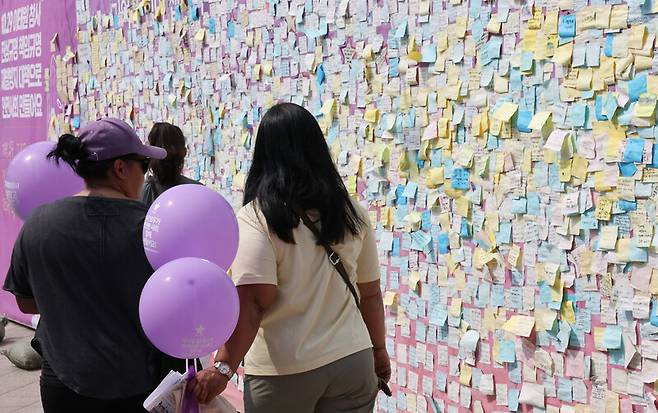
[{"x": 69, "y": 149}]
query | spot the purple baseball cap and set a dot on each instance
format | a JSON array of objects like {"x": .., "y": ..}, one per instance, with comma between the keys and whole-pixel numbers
[{"x": 112, "y": 138}]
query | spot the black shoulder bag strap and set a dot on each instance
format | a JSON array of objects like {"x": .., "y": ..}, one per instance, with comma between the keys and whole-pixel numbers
[{"x": 334, "y": 258}]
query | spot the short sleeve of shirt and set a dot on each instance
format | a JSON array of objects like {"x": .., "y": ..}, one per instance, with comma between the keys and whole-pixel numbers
[
  {"x": 18, "y": 281},
  {"x": 255, "y": 262},
  {"x": 367, "y": 265}
]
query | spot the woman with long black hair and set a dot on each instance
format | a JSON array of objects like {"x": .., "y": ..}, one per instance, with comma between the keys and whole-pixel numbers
[
  {"x": 312, "y": 343},
  {"x": 167, "y": 172}
]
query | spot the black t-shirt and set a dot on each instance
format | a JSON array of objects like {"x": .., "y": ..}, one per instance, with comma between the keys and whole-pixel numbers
[
  {"x": 82, "y": 260},
  {"x": 152, "y": 188}
]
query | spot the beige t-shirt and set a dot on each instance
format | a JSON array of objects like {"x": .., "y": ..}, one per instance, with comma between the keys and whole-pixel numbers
[{"x": 314, "y": 320}]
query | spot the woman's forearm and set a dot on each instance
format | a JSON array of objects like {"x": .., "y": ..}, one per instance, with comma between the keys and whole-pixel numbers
[
  {"x": 254, "y": 301},
  {"x": 372, "y": 311}
]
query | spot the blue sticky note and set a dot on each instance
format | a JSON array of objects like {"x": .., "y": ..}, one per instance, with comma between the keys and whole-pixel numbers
[
  {"x": 75, "y": 122},
  {"x": 426, "y": 222},
  {"x": 444, "y": 243},
  {"x": 637, "y": 254},
  {"x": 504, "y": 234},
  {"x": 395, "y": 250},
  {"x": 460, "y": 178},
  {"x": 653, "y": 316},
  {"x": 533, "y": 204},
  {"x": 428, "y": 53},
  {"x": 498, "y": 295},
  {"x": 477, "y": 28},
  {"x": 598, "y": 109},
  {"x": 231, "y": 29},
  {"x": 513, "y": 399},
  {"x": 482, "y": 297},
  {"x": 507, "y": 351},
  {"x": 634, "y": 150},
  {"x": 607, "y": 50},
  {"x": 523, "y": 121},
  {"x": 320, "y": 75},
  {"x": 410, "y": 190},
  {"x": 494, "y": 47},
  {"x": 519, "y": 205},
  {"x": 564, "y": 390},
  {"x": 636, "y": 87},
  {"x": 567, "y": 25},
  {"x": 612, "y": 337},
  {"x": 401, "y": 31},
  {"x": 527, "y": 60},
  {"x": 627, "y": 168},
  {"x": 393, "y": 70},
  {"x": 465, "y": 229},
  {"x": 492, "y": 142},
  {"x": 588, "y": 220},
  {"x": 211, "y": 25},
  {"x": 611, "y": 106},
  {"x": 578, "y": 115},
  {"x": 438, "y": 315},
  {"x": 625, "y": 205}
]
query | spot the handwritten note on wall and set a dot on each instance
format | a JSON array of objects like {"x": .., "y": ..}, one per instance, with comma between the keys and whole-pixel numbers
[{"x": 506, "y": 151}]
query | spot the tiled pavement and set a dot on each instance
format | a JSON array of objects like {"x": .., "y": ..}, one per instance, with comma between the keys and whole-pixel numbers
[{"x": 19, "y": 389}]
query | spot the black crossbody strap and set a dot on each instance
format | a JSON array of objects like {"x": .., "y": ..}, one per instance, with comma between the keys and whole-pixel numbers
[{"x": 334, "y": 258}]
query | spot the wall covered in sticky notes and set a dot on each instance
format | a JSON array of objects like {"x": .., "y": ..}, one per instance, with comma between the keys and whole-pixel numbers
[{"x": 506, "y": 151}]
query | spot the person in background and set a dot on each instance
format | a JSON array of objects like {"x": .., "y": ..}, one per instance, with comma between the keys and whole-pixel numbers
[
  {"x": 167, "y": 172},
  {"x": 308, "y": 347},
  {"x": 80, "y": 263}
]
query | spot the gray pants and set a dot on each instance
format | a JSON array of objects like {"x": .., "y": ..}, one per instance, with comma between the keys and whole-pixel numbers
[{"x": 346, "y": 385}]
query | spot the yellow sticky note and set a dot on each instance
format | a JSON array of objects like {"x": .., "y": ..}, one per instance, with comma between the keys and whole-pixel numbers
[
  {"x": 563, "y": 54},
  {"x": 456, "y": 307},
  {"x": 460, "y": 280},
  {"x": 435, "y": 177},
  {"x": 566, "y": 312},
  {"x": 414, "y": 279},
  {"x": 506, "y": 111},
  {"x": 390, "y": 298},
  {"x": 653, "y": 285},
  {"x": 619, "y": 17},
  {"x": 520, "y": 325},
  {"x": 442, "y": 41},
  {"x": 579, "y": 167},
  {"x": 465, "y": 374},
  {"x": 550, "y": 23},
  {"x": 463, "y": 206},
  {"x": 646, "y": 105},
  {"x": 544, "y": 319},
  {"x": 372, "y": 115},
  {"x": 200, "y": 35},
  {"x": 611, "y": 398},
  {"x": 539, "y": 120},
  {"x": 603, "y": 209}
]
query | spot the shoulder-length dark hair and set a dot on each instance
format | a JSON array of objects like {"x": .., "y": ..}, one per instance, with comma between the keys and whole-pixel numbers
[
  {"x": 169, "y": 137},
  {"x": 292, "y": 166}
]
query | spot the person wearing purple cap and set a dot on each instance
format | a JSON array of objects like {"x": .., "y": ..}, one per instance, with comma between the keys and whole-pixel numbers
[{"x": 80, "y": 263}]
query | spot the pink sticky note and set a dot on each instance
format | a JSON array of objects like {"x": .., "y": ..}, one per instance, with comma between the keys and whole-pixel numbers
[{"x": 575, "y": 363}]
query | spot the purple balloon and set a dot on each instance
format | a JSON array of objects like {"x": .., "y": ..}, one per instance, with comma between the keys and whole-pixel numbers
[
  {"x": 32, "y": 180},
  {"x": 189, "y": 308},
  {"x": 190, "y": 221}
]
